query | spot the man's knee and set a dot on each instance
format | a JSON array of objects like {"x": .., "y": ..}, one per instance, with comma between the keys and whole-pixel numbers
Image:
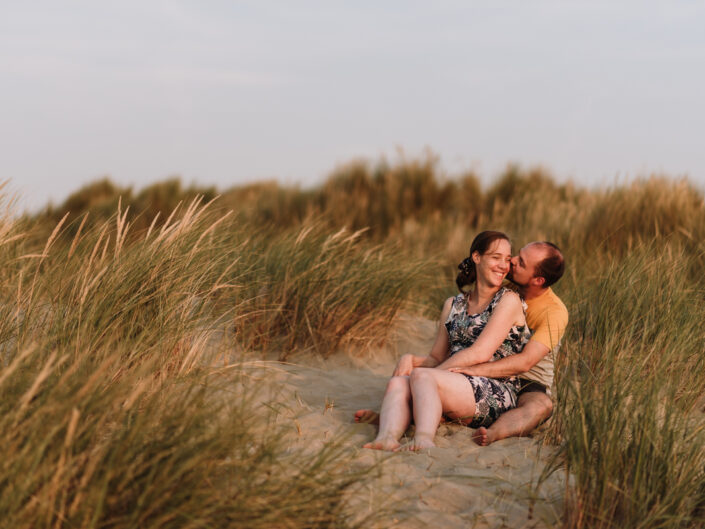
[
  {"x": 546, "y": 407},
  {"x": 539, "y": 404}
]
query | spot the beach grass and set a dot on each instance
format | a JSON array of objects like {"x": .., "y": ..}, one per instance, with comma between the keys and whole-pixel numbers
[
  {"x": 630, "y": 409},
  {"x": 120, "y": 404},
  {"x": 310, "y": 289},
  {"x": 126, "y": 323}
]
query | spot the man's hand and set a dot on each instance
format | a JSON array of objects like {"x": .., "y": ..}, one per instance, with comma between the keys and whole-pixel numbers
[{"x": 405, "y": 366}]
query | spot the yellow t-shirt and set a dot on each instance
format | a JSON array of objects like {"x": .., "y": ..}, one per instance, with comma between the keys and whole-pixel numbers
[{"x": 547, "y": 318}]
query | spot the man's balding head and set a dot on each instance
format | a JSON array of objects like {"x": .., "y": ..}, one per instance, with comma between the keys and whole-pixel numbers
[{"x": 552, "y": 265}]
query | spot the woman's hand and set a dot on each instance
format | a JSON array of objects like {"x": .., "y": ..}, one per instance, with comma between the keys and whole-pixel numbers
[{"x": 405, "y": 366}]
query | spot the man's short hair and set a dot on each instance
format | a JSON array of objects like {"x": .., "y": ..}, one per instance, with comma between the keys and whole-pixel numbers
[{"x": 552, "y": 266}]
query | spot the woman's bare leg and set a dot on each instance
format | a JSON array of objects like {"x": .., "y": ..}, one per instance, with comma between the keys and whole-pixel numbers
[
  {"x": 433, "y": 392},
  {"x": 395, "y": 415}
]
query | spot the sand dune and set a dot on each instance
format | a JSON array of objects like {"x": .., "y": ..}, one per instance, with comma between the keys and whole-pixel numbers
[{"x": 456, "y": 485}]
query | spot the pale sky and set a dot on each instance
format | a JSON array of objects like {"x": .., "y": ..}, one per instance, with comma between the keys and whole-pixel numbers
[{"x": 227, "y": 92}]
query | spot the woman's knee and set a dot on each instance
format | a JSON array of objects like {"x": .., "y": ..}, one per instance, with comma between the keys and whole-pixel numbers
[
  {"x": 420, "y": 374},
  {"x": 398, "y": 384}
]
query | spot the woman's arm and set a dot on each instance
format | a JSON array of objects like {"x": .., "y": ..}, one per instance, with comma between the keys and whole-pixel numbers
[
  {"x": 506, "y": 314},
  {"x": 508, "y": 366},
  {"x": 438, "y": 353}
]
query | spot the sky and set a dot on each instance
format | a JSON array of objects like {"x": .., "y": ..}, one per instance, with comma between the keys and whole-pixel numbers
[{"x": 229, "y": 92}]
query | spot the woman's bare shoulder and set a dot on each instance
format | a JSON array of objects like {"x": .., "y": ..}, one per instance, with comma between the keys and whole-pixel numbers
[
  {"x": 447, "y": 306},
  {"x": 510, "y": 299},
  {"x": 512, "y": 305}
]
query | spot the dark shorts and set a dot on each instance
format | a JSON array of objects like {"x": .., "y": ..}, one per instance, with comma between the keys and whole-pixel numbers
[{"x": 528, "y": 386}]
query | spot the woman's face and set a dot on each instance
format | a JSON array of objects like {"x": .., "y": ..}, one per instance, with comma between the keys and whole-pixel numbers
[{"x": 493, "y": 265}]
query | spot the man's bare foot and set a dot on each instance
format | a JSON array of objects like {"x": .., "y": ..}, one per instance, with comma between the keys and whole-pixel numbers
[
  {"x": 383, "y": 443},
  {"x": 367, "y": 417},
  {"x": 482, "y": 436},
  {"x": 419, "y": 442}
]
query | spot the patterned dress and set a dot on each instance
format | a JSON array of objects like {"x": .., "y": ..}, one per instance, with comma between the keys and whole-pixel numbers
[{"x": 492, "y": 396}]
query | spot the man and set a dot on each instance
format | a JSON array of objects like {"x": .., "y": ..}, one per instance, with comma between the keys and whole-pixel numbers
[{"x": 538, "y": 266}]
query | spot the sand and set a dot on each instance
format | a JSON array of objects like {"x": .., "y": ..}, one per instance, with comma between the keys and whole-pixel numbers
[{"x": 455, "y": 485}]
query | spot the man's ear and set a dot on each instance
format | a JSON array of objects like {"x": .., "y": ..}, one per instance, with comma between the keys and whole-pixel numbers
[{"x": 538, "y": 280}]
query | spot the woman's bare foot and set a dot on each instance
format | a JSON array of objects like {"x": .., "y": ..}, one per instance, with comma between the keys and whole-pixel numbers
[
  {"x": 367, "y": 417},
  {"x": 419, "y": 442},
  {"x": 383, "y": 443},
  {"x": 482, "y": 436}
]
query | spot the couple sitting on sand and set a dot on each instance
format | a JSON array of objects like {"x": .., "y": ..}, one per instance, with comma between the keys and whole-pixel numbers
[{"x": 491, "y": 366}]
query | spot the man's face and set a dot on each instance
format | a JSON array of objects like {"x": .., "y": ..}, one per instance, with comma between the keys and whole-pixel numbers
[{"x": 524, "y": 265}]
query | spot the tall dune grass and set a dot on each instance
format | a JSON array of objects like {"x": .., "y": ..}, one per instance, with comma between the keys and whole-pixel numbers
[
  {"x": 111, "y": 404},
  {"x": 632, "y": 374},
  {"x": 120, "y": 405},
  {"x": 313, "y": 290}
]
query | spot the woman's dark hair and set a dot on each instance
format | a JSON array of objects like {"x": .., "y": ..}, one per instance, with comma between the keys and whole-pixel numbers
[{"x": 480, "y": 244}]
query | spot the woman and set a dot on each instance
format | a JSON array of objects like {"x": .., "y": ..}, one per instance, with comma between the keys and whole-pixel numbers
[{"x": 483, "y": 324}]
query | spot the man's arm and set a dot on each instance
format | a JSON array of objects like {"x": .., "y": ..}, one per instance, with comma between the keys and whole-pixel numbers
[
  {"x": 511, "y": 365},
  {"x": 546, "y": 336}
]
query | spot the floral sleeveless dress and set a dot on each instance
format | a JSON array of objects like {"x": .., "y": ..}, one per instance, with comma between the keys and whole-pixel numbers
[{"x": 492, "y": 396}]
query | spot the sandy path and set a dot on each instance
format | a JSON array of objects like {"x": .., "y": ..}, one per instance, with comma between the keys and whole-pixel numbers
[{"x": 456, "y": 485}]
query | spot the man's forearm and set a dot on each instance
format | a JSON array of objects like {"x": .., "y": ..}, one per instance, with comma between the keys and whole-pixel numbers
[
  {"x": 506, "y": 367},
  {"x": 512, "y": 365}
]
